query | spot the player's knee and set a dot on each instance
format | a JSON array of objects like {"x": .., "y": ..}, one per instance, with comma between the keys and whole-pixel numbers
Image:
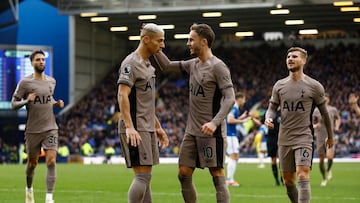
[
  {"x": 185, "y": 171},
  {"x": 32, "y": 163},
  {"x": 217, "y": 172},
  {"x": 288, "y": 182},
  {"x": 303, "y": 175},
  {"x": 51, "y": 162}
]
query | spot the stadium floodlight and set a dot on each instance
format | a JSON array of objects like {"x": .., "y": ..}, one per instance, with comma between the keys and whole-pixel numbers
[
  {"x": 211, "y": 14},
  {"x": 244, "y": 34},
  {"x": 308, "y": 32},
  {"x": 279, "y": 11},
  {"x": 356, "y": 20},
  {"x": 181, "y": 36},
  {"x": 119, "y": 29},
  {"x": 349, "y": 9},
  {"x": 134, "y": 37},
  {"x": 343, "y": 3},
  {"x": 99, "y": 19},
  {"x": 270, "y": 36},
  {"x": 147, "y": 17},
  {"x": 229, "y": 24},
  {"x": 167, "y": 27},
  {"x": 294, "y": 22},
  {"x": 88, "y": 14}
]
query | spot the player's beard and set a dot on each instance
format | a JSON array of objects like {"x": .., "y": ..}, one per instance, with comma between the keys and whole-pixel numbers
[
  {"x": 194, "y": 51},
  {"x": 38, "y": 69},
  {"x": 294, "y": 69}
]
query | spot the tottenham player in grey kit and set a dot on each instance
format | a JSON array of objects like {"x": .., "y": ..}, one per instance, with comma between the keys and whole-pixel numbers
[
  {"x": 297, "y": 95},
  {"x": 211, "y": 97},
  {"x": 138, "y": 125},
  {"x": 321, "y": 136},
  {"x": 36, "y": 93}
]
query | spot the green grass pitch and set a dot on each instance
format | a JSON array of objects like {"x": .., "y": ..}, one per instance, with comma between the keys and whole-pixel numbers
[{"x": 77, "y": 183}]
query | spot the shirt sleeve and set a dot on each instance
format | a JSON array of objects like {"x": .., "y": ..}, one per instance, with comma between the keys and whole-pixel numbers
[
  {"x": 319, "y": 96},
  {"x": 20, "y": 91},
  {"x": 223, "y": 76},
  {"x": 126, "y": 74}
]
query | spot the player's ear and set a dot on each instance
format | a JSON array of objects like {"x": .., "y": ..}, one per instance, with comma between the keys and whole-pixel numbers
[
  {"x": 146, "y": 39},
  {"x": 204, "y": 42}
]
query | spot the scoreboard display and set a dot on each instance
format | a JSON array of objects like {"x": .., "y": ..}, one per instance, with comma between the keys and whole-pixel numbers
[{"x": 14, "y": 65}]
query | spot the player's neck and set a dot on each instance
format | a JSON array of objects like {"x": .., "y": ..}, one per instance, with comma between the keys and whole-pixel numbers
[
  {"x": 297, "y": 76},
  {"x": 39, "y": 76},
  {"x": 143, "y": 53},
  {"x": 205, "y": 55}
]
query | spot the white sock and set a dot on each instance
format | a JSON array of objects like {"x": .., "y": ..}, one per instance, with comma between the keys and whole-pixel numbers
[
  {"x": 49, "y": 196},
  {"x": 231, "y": 168},
  {"x": 261, "y": 158},
  {"x": 29, "y": 189}
]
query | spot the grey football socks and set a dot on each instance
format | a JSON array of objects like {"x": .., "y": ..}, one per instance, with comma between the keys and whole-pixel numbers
[
  {"x": 304, "y": 191},
  {"x": 50, "y": 178},
  {"x": 322, "y": 170},
  {"x": 187, "y": 189},
  {"x": 222, "y": 191},
  {"x": 139, "y": 187},
  {"x": 29, "y": 176},
  {"x": 292, "y": 193}
]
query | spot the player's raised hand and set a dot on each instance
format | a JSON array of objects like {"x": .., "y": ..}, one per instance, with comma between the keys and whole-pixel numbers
[
  {"x": 31, "y": 96},
  {"x": 60, "y": 103}
]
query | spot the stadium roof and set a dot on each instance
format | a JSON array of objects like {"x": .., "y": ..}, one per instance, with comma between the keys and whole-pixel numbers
[{"x": 251, "y": 15}]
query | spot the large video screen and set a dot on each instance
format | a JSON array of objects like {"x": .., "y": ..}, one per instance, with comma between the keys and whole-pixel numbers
[{"x": 14, "y": 65}]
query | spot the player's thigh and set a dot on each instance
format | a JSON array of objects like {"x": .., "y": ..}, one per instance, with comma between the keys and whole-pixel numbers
[
  {"x": 303, "y": 156},
  {"x": 287, "y": 159},
  {"x": 233, "y": 145},
  {"x": 125, "y": 148},
  {"x": 51, "y": 140},
  {"x": 33, "y": 144},
  {"x": 320, "y": 146},
  {"x": 211, "y": 151},
  {"x": 263, "y": 147},
  {"x": 188, "y": 154},
  {"x": 145, "y": 154}
]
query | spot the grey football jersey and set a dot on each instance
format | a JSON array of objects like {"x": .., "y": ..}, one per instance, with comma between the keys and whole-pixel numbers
[
  {"x": 205, "y": 84},
  {"x": 297, "y": 100},
  {"x": 40, "y": 115},
  {"x": 139, "y": 75},
  {"x": 333, "y": 113}
]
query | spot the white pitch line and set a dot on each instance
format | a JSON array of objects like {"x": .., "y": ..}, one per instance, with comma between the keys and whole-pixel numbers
[{"x": 257, "y": 196}]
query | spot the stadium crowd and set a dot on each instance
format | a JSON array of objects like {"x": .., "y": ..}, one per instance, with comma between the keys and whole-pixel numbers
[{"x": 90, "y": 126}]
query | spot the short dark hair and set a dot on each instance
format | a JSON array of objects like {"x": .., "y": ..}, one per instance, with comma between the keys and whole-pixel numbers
[
  {"x": 204, "y": 31},
  {"x": 32, "y": 56}
]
